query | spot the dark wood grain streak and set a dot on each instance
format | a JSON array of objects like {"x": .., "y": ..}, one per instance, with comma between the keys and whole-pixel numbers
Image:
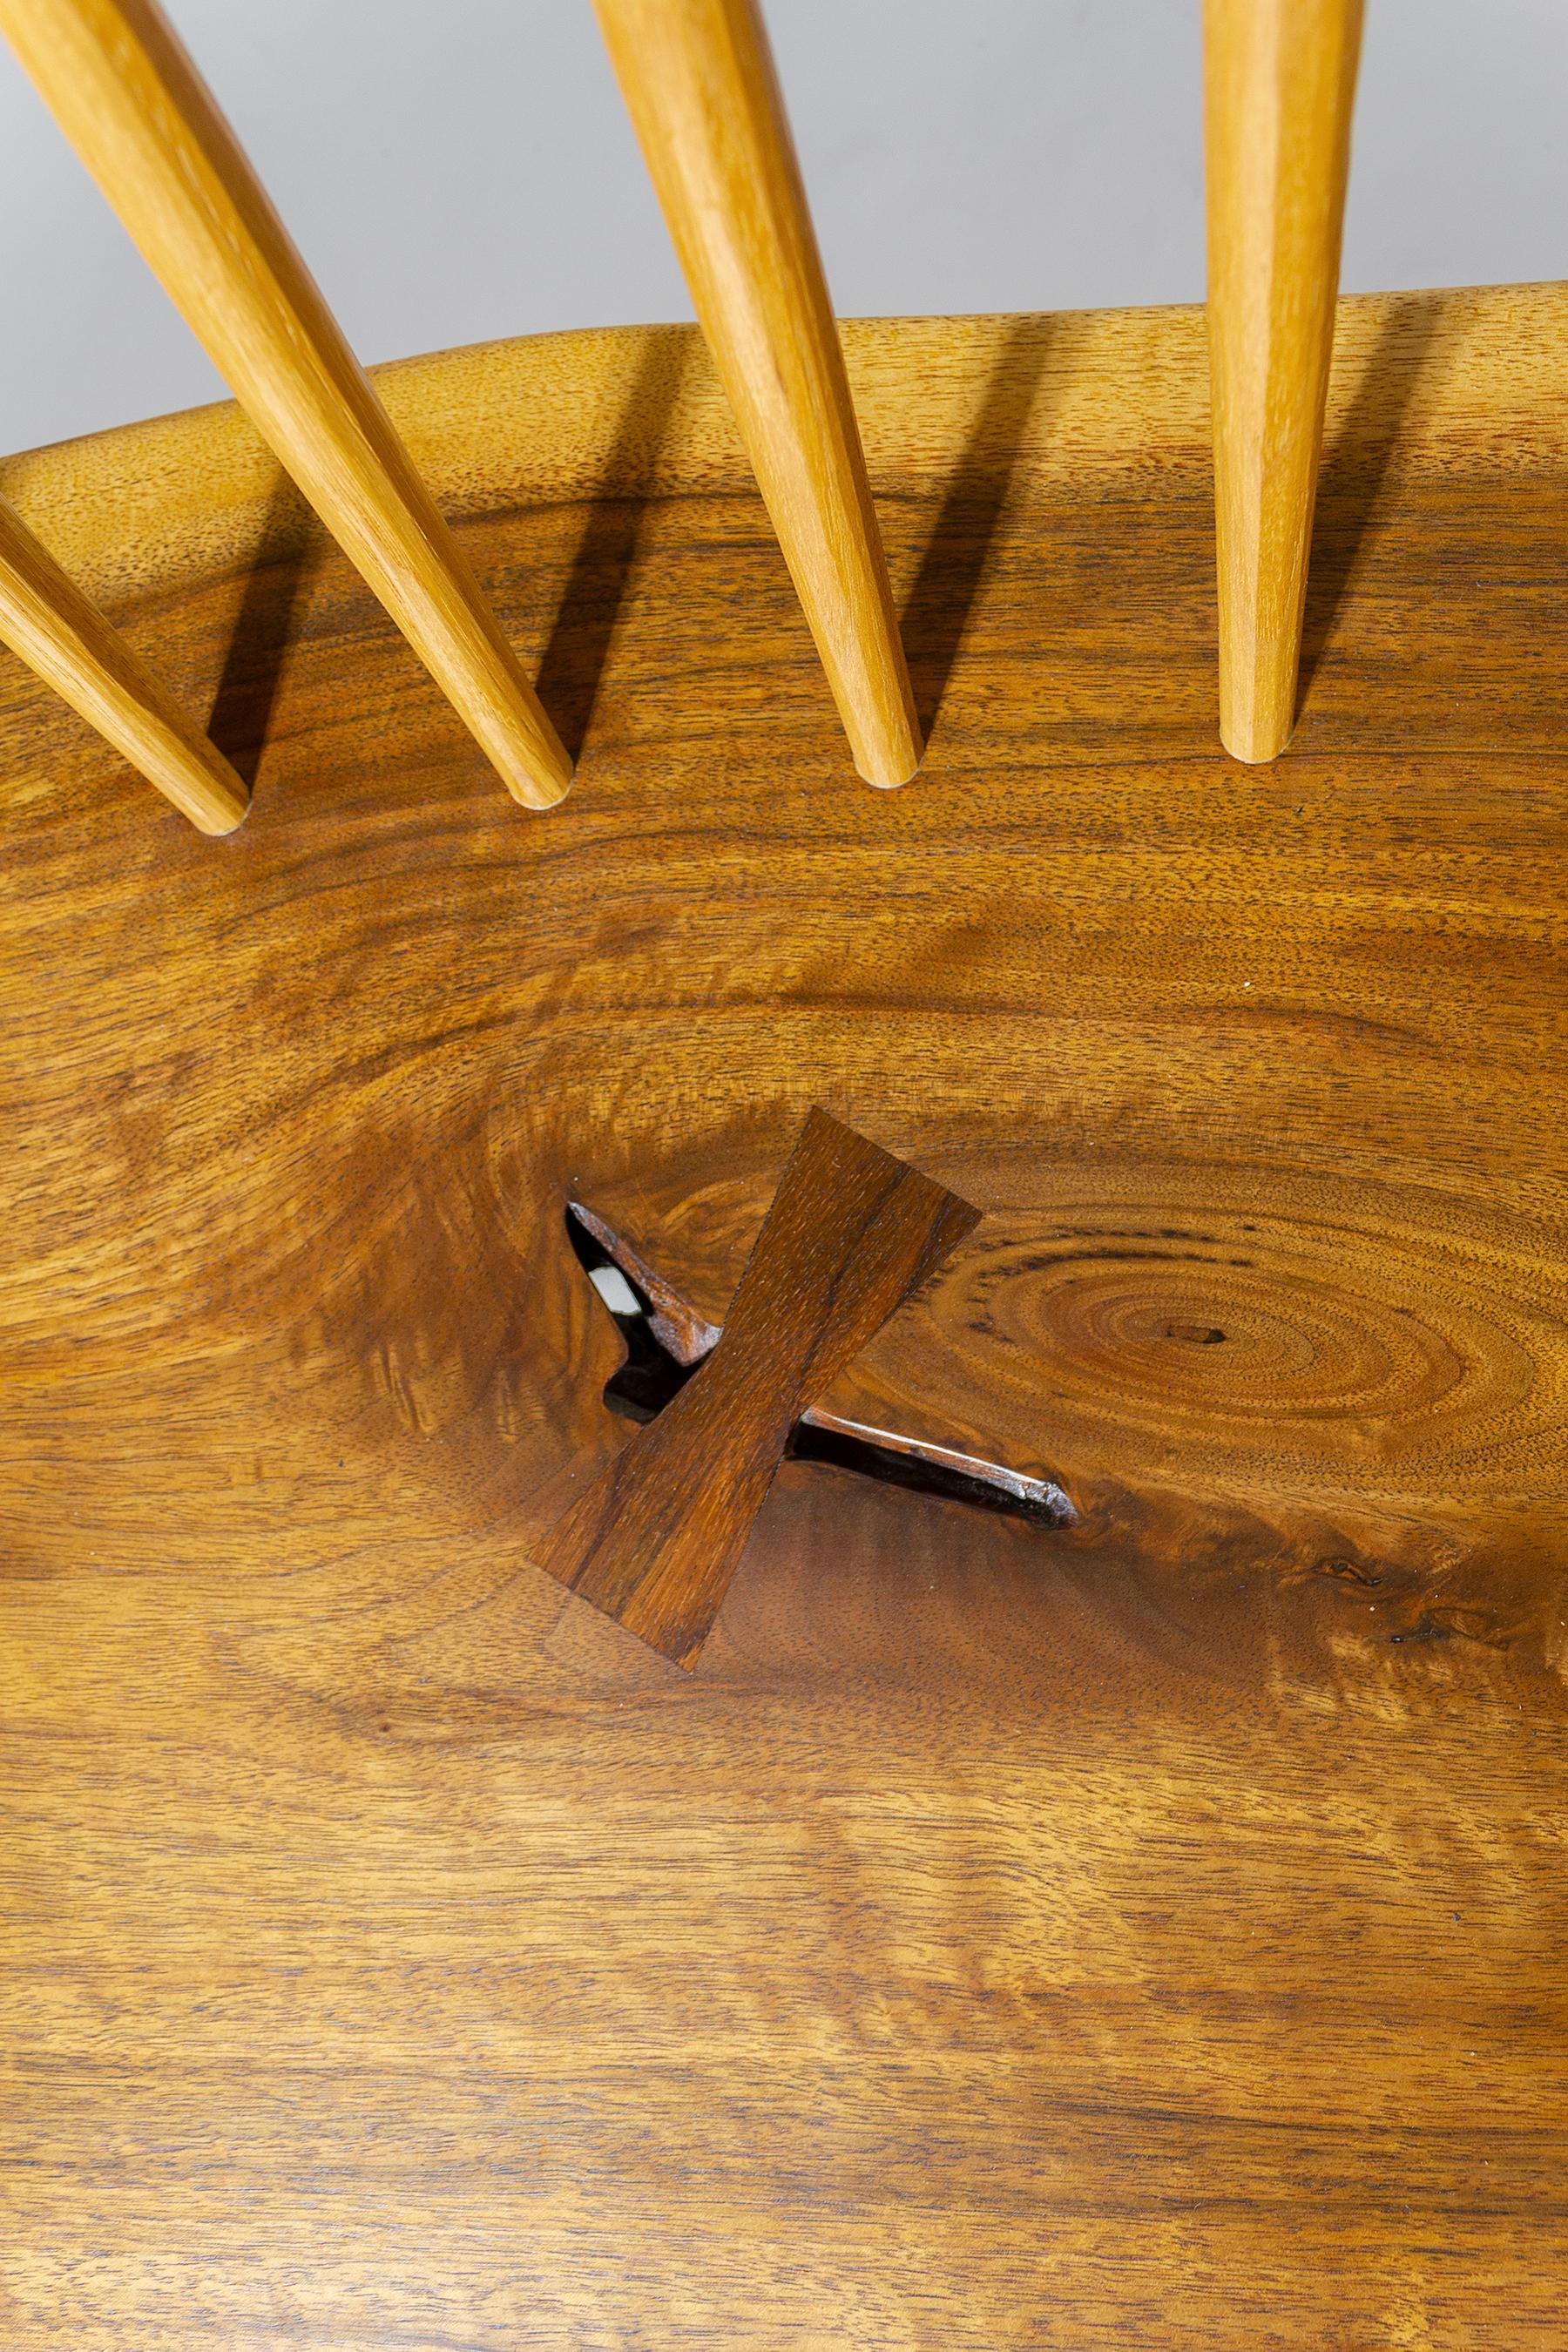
[
  {"x": 850, "y": 1234},
  {"x": 1142, "y": 1936}
]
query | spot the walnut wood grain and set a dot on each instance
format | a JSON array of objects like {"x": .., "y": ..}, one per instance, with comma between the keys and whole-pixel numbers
[
  {"x": 851, "y": 1232},
  {"x": 128, "y": 97},
  {"x": 1278, "y": 88},
  {"x": 1142, "y": 1937},
  {"x": 61, "y": 634},
  {"x": 699, "y": 80}
]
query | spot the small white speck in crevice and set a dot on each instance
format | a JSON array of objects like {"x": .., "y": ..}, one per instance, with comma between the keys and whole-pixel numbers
[{"x": 615, "y": 1290}]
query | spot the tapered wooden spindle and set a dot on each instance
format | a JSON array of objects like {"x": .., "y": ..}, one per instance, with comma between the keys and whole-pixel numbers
[
  {"x": 655, "y": 1540},
  {"x": 1280, "y": 85},
  {"x": 699, "y": 82},
  {"x": 138, "y": 113},
  {"x": 48, "y": 623}
]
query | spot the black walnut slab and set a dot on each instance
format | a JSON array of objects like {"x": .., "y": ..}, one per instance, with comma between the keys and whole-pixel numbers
[{"x": 1148, "y": 1940}]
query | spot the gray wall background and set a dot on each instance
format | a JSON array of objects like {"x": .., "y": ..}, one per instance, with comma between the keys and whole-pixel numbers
[{"x": 454, "y": 170}]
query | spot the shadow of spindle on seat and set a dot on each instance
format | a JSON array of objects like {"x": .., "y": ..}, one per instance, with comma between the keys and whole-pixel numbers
[
  {"x": 573, "y": 664},
  {"x": 292, "y": 545},
  {"x": 1355, "y": 466},
  {"x": 937, "y": 607}
]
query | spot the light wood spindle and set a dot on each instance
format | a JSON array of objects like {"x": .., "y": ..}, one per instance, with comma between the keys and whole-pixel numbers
[
  {"x": 138, "y": 113},
  {"x": 1280, "y": 85},
  {"x": 50, "y": 623},
  {"x": 699, "y": 82}
]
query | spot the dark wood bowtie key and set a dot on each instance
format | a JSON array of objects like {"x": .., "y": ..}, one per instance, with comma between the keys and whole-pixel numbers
[{"x": 655, "y": 1539}]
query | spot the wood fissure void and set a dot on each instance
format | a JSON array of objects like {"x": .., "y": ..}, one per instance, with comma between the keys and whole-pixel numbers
[{"x": 666, "y": 1340}]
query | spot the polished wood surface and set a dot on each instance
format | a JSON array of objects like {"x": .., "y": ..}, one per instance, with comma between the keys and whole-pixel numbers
[
  {"x": 1278, "y": 88},
  {"x": 1143, "y": 1934},
  {"x": 61, "y": 634},
  {"x": 128, "y": 97},
  {"x": 698, "y": 81},
  {"x": 658, "y": 1535}
]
